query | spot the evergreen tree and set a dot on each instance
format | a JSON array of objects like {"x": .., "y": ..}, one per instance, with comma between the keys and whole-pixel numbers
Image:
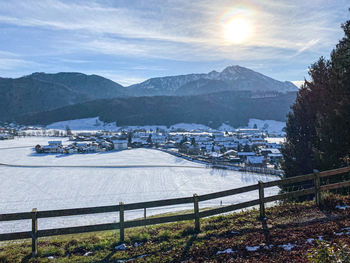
[
  {"x": 301, "y": 137},
  {"x": 193, "y": 141},
  {"x": 184, "y": 139},
  {"x": 246, "y": 148},
  {"x": 149, "y": 139},
  {"x": 318, "y": 128},
  {"x": 130, "y": 134},
  {"x": 68, "y": 131}
]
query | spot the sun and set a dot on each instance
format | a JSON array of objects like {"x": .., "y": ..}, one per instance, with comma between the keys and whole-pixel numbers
[{"x": 238, "y": 30}]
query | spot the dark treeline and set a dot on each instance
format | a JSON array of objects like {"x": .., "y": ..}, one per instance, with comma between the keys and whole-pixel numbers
[{"x": 230, "y": 107}]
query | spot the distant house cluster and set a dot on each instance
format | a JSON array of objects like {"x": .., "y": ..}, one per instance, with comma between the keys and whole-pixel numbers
[
  {"x": 85, "y": 143},
  {"x": 7, "y": 132},
  {"x": 243, "y": 147},
  {"x": 249, "y": 147},
  {"x": 6, "y": 136}
]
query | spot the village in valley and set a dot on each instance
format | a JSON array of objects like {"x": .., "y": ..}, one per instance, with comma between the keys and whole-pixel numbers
[{"x": 245, "y": 149}]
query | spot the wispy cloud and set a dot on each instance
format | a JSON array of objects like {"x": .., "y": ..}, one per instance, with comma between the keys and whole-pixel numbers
[
  {"x": 187, "y": 31},
  {"x": 10, "y": 61}
]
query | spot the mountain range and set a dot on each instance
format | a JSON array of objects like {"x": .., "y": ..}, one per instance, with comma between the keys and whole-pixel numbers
[{"x": 46, "y": 97}]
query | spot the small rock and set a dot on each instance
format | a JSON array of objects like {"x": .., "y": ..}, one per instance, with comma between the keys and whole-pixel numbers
[{"x": 51, "y": 257}]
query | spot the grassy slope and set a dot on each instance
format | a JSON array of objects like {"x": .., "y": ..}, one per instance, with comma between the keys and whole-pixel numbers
[{"x": 288, "y": 223}]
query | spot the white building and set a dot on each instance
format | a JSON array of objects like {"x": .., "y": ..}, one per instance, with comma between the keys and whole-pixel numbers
[{"x": 120, "y": 145}]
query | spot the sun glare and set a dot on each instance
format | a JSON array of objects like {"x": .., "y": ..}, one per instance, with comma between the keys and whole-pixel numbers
[{"x": 238, "y": 30}]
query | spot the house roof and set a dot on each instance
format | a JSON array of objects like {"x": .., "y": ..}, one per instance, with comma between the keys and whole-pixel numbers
[
  {"x": 246, "y": 154},
  {"x": 255, "y": 159}
]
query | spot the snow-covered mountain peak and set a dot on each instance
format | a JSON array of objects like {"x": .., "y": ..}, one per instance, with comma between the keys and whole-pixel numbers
[
  {"x": 231, "y": 78},
  {"x": 213, "y": 74}
]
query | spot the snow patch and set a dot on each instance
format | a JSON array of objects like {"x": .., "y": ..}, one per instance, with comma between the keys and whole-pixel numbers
[
  {"x": 120, "y": 247},
  {"x": 254, "y": 248},
  {"x": 268, "y": 247},
  {"x": 287, "y": 247},
  {"x": 226, "y": 127},
  {"x": 342, "y": 207},
  {"x": 93, "y": 124},
  {"x": 310, "y": 240},
  {"x": 226, "y": 251}
]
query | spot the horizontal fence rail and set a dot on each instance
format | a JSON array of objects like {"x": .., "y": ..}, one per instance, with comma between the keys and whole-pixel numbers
[{"x": 34, "y": 234}]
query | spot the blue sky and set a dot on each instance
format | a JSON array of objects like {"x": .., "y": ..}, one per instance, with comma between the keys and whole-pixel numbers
[{"x": 130, "y": 41}]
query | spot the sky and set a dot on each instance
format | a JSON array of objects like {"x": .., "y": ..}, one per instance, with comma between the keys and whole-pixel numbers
[{"x": 131, "y": 41}]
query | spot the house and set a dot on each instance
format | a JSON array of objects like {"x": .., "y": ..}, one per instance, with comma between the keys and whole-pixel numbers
[
  {"x": 6, "y": 136},
  {"x": 188, "y": 148},
  {"x": 267, "y": 151},
  {"x": 247, "y": 131},
  {"x": 243, "y": 155},
  {"x": 258, "y": 141},
  {"x": 169, "y": 144},
  {"x": 55, "y": 143},
  {"x": 53, "y": 147},
  {"x": 256, "y": 161},
  {"x": 231, "y": 153},
  {"x": 120, "y": 145}
]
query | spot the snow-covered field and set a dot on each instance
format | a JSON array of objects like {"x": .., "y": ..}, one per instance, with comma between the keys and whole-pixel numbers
[
  {"x": 271, "y": 126},
  {"x": 92, "y": 124},
  {"x": 44, "y": 188}
]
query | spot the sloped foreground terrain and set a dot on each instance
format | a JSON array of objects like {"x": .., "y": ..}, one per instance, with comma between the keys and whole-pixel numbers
[{"x": 291, "y": 231}]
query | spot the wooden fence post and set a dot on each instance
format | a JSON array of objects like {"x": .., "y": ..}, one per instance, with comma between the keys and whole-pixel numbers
[
  {"x": 144, "y": 213},
  {"x": 196, "y": 214},
  {"x": 317, "y": 187},
  {"x": 261, "y": 199},
  {"x": 34, "y": 233},
  {"x": 121, "y": 221}
]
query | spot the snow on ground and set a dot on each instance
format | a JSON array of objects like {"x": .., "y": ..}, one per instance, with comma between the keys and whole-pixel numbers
[
  {"x": 145, "y": 127},
  {"x": 45, "y": 188},
  {"x": 226, "y": 127},
  {"x": 93, "y": 124},
  {"x": 272, "y": 126},
  {"x": 190, "y": 126}
]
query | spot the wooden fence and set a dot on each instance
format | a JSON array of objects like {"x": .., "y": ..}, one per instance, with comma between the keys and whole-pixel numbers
[{"x": 34, "y": 215}]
